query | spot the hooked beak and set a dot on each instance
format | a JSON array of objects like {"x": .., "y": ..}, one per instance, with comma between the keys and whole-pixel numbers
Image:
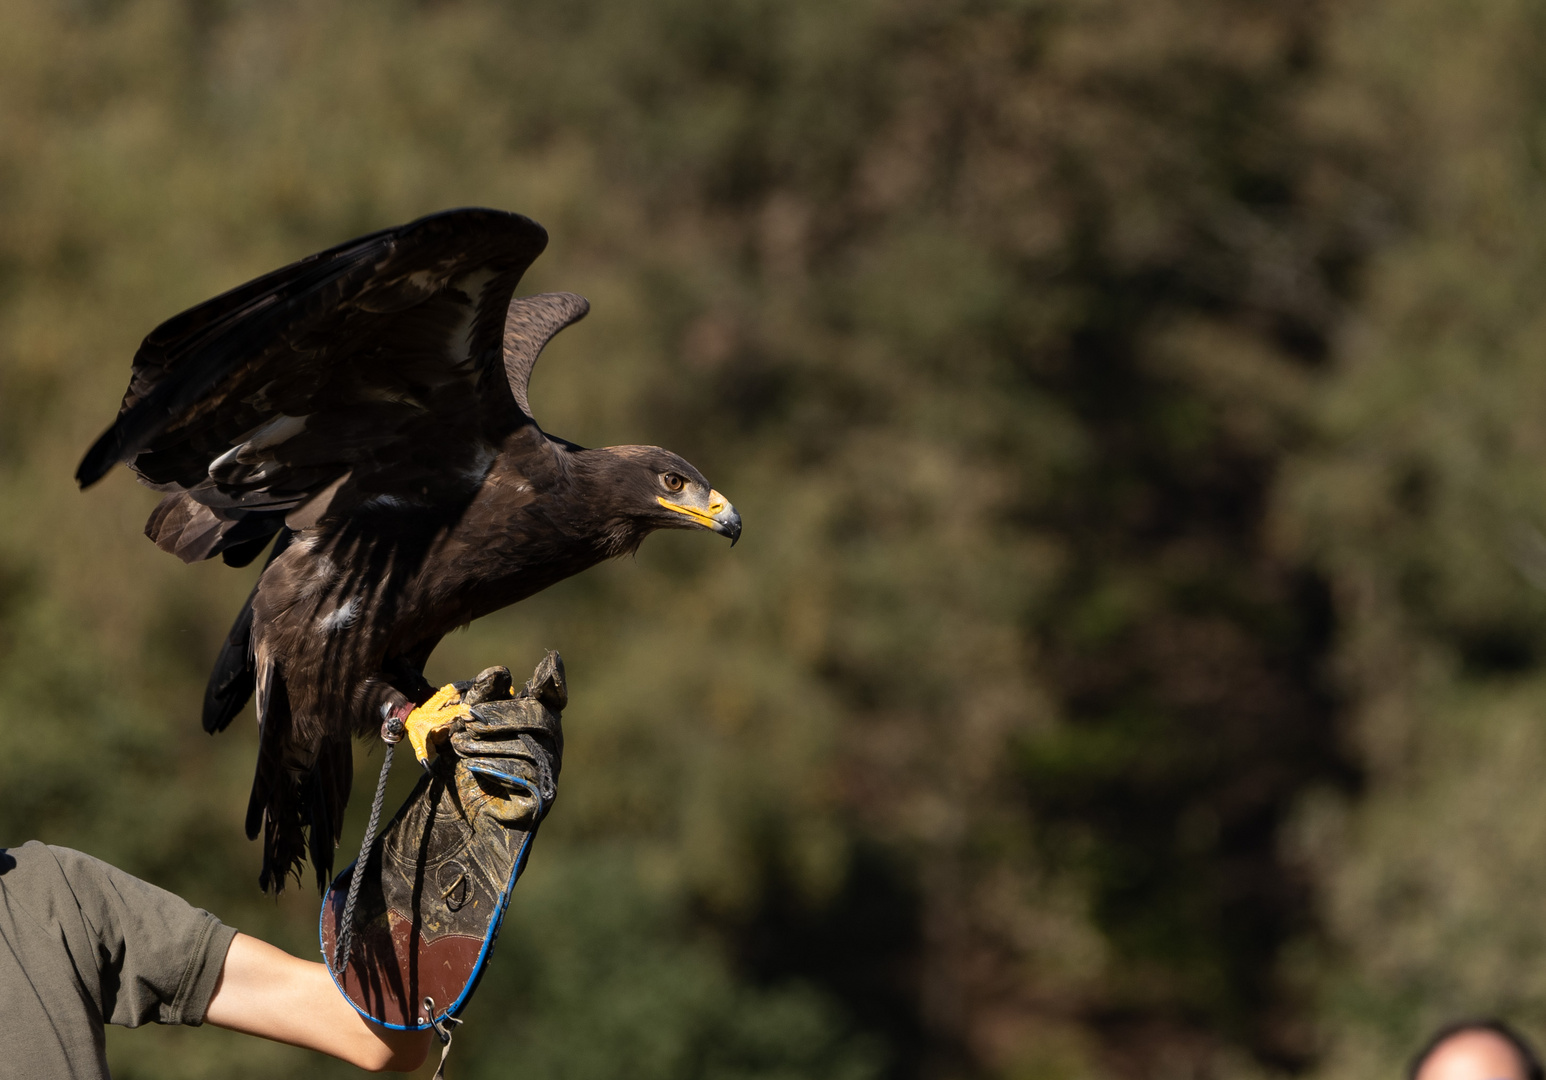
[{"x": 719, "y": 515}]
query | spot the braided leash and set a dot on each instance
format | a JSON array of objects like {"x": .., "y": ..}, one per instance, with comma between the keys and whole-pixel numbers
[{"x": 392, "y": 730}]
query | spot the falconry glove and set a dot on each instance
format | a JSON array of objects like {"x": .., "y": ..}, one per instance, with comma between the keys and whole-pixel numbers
[{"x": 436, "y": 882}]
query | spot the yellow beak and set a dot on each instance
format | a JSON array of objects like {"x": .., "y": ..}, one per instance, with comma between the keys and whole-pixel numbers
[{"x": 719, "y": 516}]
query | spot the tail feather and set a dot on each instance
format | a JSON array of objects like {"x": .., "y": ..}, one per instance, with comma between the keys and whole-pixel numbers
[
  {"x": 298, "y": 808},
  {"x": 233, "y": 679},
  {"x": 274, "y": 808},
  {"x": 284, "y": 844},
  {"x": 325, "y": 790}
]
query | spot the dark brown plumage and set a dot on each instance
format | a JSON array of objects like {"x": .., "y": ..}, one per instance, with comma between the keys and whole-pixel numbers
[{"x": 365, "y": 411}]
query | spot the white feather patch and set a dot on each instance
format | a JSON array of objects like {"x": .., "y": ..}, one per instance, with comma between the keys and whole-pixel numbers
[
  {"x": 341, "y": 617},
  {"x": 270, "y": 433},
  {"x": 275, "y": 431}
]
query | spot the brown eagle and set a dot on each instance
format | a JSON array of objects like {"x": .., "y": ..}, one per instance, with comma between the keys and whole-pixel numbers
[{"x": 364, "y": 410}]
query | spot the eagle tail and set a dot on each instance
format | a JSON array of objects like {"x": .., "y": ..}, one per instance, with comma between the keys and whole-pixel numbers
[
  {"x": 234, "y": 678},
  {"x": 325, "y": 790},
  {"x": 299, "y": 810},
  {"x": 275, "y": 808}
]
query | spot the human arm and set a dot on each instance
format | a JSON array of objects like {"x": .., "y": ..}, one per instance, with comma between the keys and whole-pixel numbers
[{"x": 265, "y": 991}]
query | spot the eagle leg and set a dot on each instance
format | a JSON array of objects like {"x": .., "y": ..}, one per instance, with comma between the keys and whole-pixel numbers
[{"x": 434, "y": 720}]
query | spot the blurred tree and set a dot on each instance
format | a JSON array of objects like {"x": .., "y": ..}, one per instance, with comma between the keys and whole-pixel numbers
[{"x": 1422, "y": 501}]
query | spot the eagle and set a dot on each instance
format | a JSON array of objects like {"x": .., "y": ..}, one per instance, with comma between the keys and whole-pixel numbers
[{"x": 363, "y": 414}]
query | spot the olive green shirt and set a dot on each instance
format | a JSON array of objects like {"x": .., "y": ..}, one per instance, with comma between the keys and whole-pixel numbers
[{"x": 83, "y": 944}]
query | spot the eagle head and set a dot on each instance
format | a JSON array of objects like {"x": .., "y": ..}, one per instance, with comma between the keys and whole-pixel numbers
[{"x": 651, "y": 488}]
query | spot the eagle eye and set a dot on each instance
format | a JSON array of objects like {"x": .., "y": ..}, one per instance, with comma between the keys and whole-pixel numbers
[{"x": 672, "y": 481}]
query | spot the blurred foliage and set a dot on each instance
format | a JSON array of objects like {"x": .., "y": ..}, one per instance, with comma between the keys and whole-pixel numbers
[{"x": 1134, "y": 662}]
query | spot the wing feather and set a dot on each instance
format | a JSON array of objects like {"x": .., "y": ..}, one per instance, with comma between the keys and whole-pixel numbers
[
  {"x": 368, "y": 369},
  {"x": 530, "y": 323}
]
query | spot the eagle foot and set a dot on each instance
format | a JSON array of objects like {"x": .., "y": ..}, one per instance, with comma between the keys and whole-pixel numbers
[{"x": 433, "y": 721}]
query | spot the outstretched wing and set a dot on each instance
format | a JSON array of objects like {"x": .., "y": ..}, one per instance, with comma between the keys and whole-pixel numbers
[{"x": 376, "y": 370}]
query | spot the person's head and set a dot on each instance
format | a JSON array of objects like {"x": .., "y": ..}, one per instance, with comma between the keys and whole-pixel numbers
[{"x": 1476, "y": 1050}]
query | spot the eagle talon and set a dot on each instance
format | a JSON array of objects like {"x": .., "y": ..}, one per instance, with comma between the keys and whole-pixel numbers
[{"x": 431, "y": 722}]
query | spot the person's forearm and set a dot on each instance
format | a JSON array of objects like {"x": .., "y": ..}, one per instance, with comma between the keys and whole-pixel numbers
[{"x": 265, "y": 991}]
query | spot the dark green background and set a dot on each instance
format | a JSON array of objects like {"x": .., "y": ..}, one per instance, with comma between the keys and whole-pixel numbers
[{"x": 1135, "y": 663}]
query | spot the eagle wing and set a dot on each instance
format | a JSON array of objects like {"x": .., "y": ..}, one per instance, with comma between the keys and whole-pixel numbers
[{"x": 387, "y": 368}]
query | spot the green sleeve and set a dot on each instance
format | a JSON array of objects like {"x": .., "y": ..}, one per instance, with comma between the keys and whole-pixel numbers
[{"x": 158, "y": 957}]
